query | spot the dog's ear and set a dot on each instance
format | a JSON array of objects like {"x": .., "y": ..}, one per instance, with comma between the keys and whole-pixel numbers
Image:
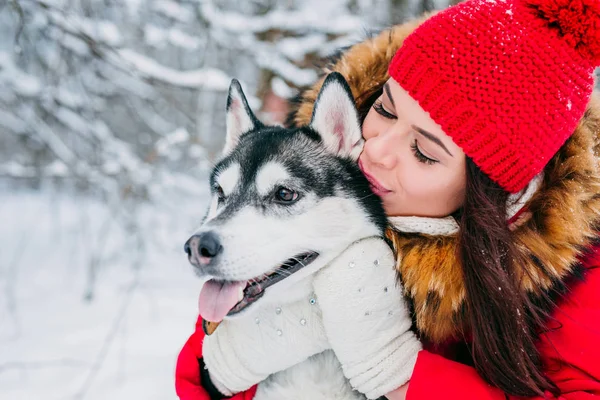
[
  {"x": 240, "y": 118},
  {"x": 335, "y": 118}
]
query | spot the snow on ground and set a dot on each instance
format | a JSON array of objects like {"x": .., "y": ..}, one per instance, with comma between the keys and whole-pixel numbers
[{"x": 121, "y": 345}]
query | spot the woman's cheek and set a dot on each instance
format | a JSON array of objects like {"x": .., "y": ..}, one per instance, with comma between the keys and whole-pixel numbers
[
  {"x": 409, "y": 175},
  {"x": 419, "y": 183}
]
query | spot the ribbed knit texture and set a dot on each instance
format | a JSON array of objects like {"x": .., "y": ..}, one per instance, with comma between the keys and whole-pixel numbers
[{"x": 507, "y": 80}]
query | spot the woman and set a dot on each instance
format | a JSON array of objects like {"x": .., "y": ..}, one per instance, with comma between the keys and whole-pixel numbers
[{"x": 482, "y": 139}]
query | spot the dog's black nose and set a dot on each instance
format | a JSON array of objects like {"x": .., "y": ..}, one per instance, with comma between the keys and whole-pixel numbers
[
  {"x": 209, "y": 245},
  {"x": 202, "y": 248}
]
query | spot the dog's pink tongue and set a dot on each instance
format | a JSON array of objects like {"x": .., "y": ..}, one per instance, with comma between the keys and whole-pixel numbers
[{"x": 217, "y": 298}]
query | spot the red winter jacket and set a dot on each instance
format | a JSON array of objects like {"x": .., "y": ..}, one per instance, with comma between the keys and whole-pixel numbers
[
  {"x": 571, "y": 355},
  {"x": 187, "y": 371}
]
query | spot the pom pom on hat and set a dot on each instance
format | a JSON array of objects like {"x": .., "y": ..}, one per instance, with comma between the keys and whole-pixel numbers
[{"x": 578, "y": 22}]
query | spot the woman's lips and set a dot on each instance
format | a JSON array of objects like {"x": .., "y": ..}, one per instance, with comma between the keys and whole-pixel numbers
[{"x": 376, "y": 187}]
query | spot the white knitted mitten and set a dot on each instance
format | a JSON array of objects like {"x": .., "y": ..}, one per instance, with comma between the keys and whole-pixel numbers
[
  {"x": 243, "y": 352},
  {"x": 366, "y": 318}
]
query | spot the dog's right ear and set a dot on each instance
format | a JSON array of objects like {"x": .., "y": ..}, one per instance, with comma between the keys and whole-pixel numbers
[
  {"x": 335, "y": 118},
  {"x": 240, "y": 118}
]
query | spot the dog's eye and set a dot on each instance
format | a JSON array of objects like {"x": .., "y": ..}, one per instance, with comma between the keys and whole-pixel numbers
[
  {"x": 286, "y": 195},
  {"x": 219, "y": 191}
]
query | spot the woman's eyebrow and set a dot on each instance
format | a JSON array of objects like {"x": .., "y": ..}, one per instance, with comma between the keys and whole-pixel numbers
[
  {"x": 386, "y": 87},
  {"x": 433, "y": 138}
]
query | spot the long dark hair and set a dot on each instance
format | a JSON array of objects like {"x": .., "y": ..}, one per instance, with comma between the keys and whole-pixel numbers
[{"x": 504, "y": 321}]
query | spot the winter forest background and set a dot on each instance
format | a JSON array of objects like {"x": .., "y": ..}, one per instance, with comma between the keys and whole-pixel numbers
[{"x": 111, "y": 114}]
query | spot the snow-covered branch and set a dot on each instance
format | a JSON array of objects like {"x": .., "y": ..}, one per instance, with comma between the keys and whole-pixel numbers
[
  {"x": 329, "y": 17},
  {"x": 208, "y": 78}
]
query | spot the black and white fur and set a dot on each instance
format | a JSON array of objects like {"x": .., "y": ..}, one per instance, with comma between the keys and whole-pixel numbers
[{"x": 256, "y": 231}]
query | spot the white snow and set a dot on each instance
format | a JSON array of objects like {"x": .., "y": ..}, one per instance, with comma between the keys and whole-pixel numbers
[
  {"x": 179, "y": 38},
  {"x": 111, "y": 167},
  {"x": 210, "y": 78},
  {"x": 69, "y": 98},
  {"x": 281, "y": 89},
  {"x": 179, "y": 135},
  {"x": 285, "y": 69},
  {"x": 75, "y": 44},
  {"x": 173, "y": 10},
  {"x": 102, "y": 31},
  {"x": 24, "y": 84},
  {"x": 266, "y": 56},
  {"x": 56, "y": 168},
  {"x": 71, "y": 119},
  {"x": 122, "y": 79},
  {"x": 160, "y": 37},
  {"x": 15, "y": 169},
  {"x": 322, "y": 16},
  {"x": 121, "y": 345},
  {"x": 197, "y": 151},
  {"x": 296, "y": 48},
  {"x": 11, "y": 122}
]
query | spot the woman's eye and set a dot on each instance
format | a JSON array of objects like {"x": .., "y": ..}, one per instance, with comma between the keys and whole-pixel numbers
[
  {"x": 378, "y": 107},
  {"x": 286, "y": 195},
  {"x": 420, "y": 156}
]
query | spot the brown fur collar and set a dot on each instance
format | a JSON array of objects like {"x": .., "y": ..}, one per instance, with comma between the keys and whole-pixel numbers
[{"x": 564, "y": 213}]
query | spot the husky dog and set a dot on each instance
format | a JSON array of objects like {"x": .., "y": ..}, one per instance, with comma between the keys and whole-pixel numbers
[{"x": 285, "y": 202}]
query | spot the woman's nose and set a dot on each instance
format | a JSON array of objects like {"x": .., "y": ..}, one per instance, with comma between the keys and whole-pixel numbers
[{"x": 381, "y": 151}]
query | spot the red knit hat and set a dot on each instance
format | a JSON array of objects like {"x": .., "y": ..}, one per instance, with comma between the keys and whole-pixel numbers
[{"x": 508, "y": 80}]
